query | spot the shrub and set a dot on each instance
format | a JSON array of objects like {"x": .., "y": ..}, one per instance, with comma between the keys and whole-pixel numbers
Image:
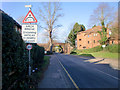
[
  {"x": 49, "y": 53},
  {"x": 112, "y": 48},
  {"x": 95, "y": 49},
  {"x": 118, "y": 48},
  {"x": 14, "y": 53},
  {"x": 37, "y": 55},
  {"x": 73, "y": 52},
  {"x": 15, "y": 56}
]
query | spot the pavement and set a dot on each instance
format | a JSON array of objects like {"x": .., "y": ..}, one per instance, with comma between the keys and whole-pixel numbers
[
  {"x": 80, "y": 73},
  {"x": 55, "y": 76}
]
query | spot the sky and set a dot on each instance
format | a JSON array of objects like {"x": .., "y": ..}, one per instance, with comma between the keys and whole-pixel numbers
[{"x": 72, "y": 12}]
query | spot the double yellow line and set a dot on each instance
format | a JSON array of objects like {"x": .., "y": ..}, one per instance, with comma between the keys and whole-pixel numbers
[{"x": 68, "y": 74}]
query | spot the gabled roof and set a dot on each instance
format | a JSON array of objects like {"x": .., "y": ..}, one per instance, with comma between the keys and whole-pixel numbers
[
  {"x": 9, "y": 18},
  {"x": 92, "y": 30}
]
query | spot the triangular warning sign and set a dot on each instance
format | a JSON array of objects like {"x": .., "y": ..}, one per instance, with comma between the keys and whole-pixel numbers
[{"x": 30, "y": 18}]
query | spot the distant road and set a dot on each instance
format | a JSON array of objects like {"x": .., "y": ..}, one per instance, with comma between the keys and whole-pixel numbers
[{"x": 88, "y": 75}]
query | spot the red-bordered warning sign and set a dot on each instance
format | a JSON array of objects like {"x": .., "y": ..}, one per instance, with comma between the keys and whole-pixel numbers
[
  {"x": 29, "y": 46},
  {"x": 30, "y": 18}
]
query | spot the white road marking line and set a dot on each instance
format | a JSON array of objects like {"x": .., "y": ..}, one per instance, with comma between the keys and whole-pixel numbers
[
  {"x": 108, "y": 74},
  {"x": 68, "y": 74}
]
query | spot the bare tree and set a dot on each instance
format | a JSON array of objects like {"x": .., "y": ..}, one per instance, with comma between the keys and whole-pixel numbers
[
  {"x": 103, "y": 13},
  {"x": 50, "y": 14},
  {"x": 114, "y": 27}
]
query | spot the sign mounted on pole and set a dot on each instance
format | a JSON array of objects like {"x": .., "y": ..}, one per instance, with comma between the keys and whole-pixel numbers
[
  {"x": 29, "y": 46},
  {"x": 30, "y": 18},
  {"x": 29, "y": 33}
]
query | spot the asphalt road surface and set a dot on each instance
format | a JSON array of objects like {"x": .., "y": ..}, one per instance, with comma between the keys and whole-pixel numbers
[{"x": 88, "y": 75}]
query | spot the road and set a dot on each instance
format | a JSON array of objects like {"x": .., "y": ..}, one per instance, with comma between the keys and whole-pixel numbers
[{"x": 88, "y": 75}]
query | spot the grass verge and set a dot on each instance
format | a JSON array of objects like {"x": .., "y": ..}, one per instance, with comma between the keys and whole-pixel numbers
[
  {"x": 36, "y": 77},
  {"x": 110, "y": 51},
  {"x": 102, "y": 54}
]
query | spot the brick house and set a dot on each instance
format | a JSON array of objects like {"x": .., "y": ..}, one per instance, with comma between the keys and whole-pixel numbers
[
  {"x": 90, "y": 38},
  {"x": 113, "y": 40}
]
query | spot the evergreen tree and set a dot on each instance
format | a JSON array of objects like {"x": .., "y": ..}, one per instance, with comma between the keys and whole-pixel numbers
[{"x": 73, "y": 34}]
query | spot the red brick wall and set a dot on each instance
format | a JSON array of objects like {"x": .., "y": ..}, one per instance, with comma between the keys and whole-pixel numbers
[
  {"x": 85, "y": 39},
  {"x": 82, "y": 38},
  {"x": 113, "y": 42}
]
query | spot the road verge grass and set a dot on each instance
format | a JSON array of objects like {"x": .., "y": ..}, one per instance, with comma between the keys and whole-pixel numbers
[
  {"x": 104, "y": 54},
  {"x": 110, "y": 51},
  {"x": 101, "y": 54},
  {"x": 36, "y": 77}
]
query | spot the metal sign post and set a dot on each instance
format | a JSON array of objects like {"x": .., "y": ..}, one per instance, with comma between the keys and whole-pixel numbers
[
  {"x": 29, "y": 32},
  {"x": 29, "y": 47},
  {"x": 29, "y": 65}
]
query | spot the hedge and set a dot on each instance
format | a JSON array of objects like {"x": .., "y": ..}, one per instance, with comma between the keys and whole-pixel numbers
[
  {"x": 15, "y": 56},
  {"x": 95, "y": 49},
  {"x": 14, "y": 53},
  {"x": 114, "y": 48},
  {"x": 37, "y": 55}
]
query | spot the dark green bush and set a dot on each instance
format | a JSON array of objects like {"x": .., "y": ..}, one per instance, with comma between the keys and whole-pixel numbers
[
  {"x": 14, "y": 53},
  {"x": 37, "y": 55},
  {"x": 49, "y": 53},
  {"x": 118, "y": 48},
  {"x": 114, "y": 48},
  {"x": 95, "y": 49},
  {"x": 15, "y": 56},
  {"x": 73, "y": 52}
]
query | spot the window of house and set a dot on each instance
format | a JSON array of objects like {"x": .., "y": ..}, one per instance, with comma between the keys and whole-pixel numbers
[
  {"x": 88, "y": 42},
  {"x": 84, "y": 47},
  {"x": 110, "y": 32},
  {"x": 79, "y": 39},
  {"x": 94, "y": 41},
  {"x": 88, "y": 36},
  {"x": 16, "y": 28},
  {"x": 112, "y": 42},
  {"x": 76, "y": 45},
  {"x": 79, "y": 45},
  {"x": 96, "y": 34}
]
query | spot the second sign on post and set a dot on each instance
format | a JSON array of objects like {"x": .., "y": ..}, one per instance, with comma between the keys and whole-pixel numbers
[
  {"x": 29, "y": 46},
  {"x": 29, "y": 33}
]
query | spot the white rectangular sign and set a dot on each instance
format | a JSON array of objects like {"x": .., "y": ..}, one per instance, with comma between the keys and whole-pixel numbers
[{"x": 29, "y": 33}]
